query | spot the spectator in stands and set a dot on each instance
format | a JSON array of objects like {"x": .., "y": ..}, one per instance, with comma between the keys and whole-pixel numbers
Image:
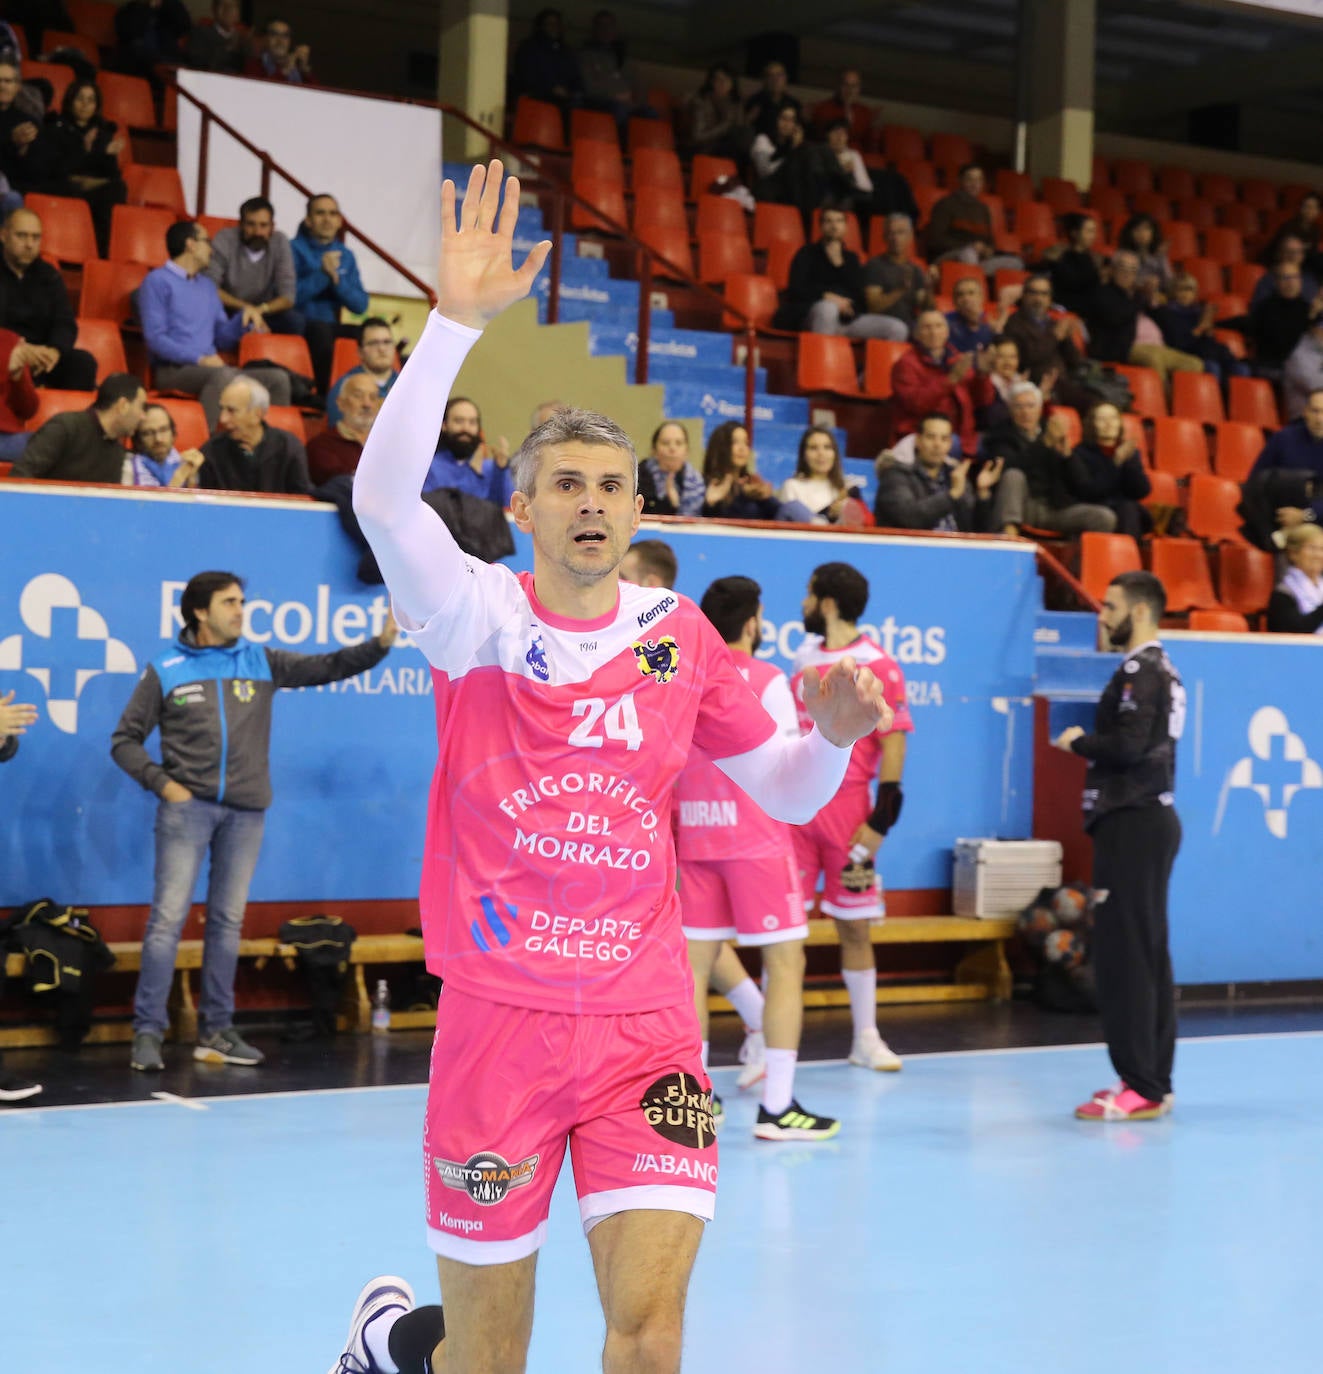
[
  {"x": 714, "y": 117},
  {"x": 735, "y": 491},
  {"x": 18, "y": 398},
  {"x": 1114, "y": 474},
  {"x": 35, "y": 16},
  {"x": 336, "y": 450},
  {"x": 1279, "y": 321},
  {"x": 1046, "y": 347},
  {"x": 789, "y": 170},
  {"x": 826, "y": 293},
  {"x": 933, "y": 492},
  {"x": 28, "y": 156},
  {"x": 279, "y": 59},
  {"x": 610, "y": 82},
  {"x": 1042, "y": 478},
  {"x": 87, "y": 445},
  {"x": 895, "y": 286},
  {"x": 763, "y": 107},
  {"x": 34, "y": 304},
  {"x": 184, "y": 325},
  {"x": 220, "y": 45},
  {"x": 544, "y": 66},
  {"x": 1303, "y": 374},
  {"x": 1296, "y": 605},
  {"x": 1290, "y": 252},
  {"x": 972, "y": 324},
  {"x": 960, "y": 227},
  {"x": 1187, "y": 325},
  {"x": 931, "y": 377},
  {"x": 846, "y": 105},
  {"x": 1119, "y": 333},
  {"x": 155, "y": 459},
  {"x": 1303, "y": 225},
  {"x": 650, "y": 563},
  {"x": 819, "y": 483},
  {"x": 1076, "y": 271},
  {"x": 852, "y": 185},
  {"x": 1296, "y": 451},
  {"x": 148, "y": 32},
  {"x": 252, "y": 265},
  {"x": 1004, "y": 375},
  {"x": 543, "y": 411},
  {"x": 378, "y": 358},
  {"x": 463, "y": 460},
  {"x": 668, "y": 483},
  {"x": 247, "y": 454},
  {"x": 1142, "y": 236},
  {"x": 88, "y": 149},
  {"x": 327, "y": 282}
]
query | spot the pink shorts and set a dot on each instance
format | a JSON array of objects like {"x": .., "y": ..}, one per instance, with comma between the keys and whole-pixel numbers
[
  {"x": 822, "y": 848},
  {"x": 754, "y": 901},
  {"x": 510, "y": 1086}
]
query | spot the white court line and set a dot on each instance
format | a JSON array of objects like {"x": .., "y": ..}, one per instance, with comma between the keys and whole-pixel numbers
[
  {"x": 175, "y": 1100},
  {"x": 1185, "y": 1042}
]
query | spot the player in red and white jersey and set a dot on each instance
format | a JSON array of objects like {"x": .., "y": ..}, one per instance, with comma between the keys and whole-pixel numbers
[
  {"x": 738, "y": 877},
  {"x": 567, "y": 705},
  {"x": 842, "y": 840}
]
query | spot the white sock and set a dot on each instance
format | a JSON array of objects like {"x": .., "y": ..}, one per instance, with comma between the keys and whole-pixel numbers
[
  {"x": 376, "y": 1337},
  {"x": 779, "y": 1085},
  {"x": 861, "y": 984},
  {"x": 707, "y": 1045},
  {"x": 748, "y": 1001}
]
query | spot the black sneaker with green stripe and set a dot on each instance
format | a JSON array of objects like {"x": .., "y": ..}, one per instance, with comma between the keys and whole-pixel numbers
[{"x": 794, "y": 1124}]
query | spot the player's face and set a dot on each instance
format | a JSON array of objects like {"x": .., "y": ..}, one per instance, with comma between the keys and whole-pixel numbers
[
  {"x": 814, "y": 623},
  {"x": 1115, "y": 619},
  {"x": 583, "y": 512}
]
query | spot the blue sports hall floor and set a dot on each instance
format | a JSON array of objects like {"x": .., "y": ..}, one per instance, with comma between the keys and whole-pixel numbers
[{"x": 961, "y": 1221}]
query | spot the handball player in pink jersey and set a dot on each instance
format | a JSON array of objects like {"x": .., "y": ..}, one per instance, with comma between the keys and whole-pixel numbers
[{"x": 566, "y": 704}]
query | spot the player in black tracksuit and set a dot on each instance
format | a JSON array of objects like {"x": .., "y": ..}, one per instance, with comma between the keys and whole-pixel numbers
[{"x": 1129, "y": 812}]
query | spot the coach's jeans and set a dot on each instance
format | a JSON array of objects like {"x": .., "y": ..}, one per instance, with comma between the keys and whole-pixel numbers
[{"x": 185, "y": 831}]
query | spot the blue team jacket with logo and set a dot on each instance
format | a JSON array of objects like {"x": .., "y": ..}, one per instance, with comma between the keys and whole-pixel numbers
[{"x": 213, "y": 708}]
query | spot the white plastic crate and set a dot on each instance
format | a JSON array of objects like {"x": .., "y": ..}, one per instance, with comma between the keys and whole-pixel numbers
[{"x": 1001, "y": 877}]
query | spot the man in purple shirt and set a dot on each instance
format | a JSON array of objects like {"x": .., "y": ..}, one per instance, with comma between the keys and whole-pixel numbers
[{"x": 186, "y": 326}]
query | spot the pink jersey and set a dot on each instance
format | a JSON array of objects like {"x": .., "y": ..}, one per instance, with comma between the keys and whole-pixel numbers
[
  {"x": 866, "y": 756},
  {"x": 715, "y": 819},
  {"x": 549, "y": 870}
]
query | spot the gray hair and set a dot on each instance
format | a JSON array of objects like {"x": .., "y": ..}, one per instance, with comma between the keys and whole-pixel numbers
[
  {"x": 259, "y": 398},
  {"x": 569, "y": 427},
  {"x": 900, "y": 219},
  {"x": 1025, "y": 389}
]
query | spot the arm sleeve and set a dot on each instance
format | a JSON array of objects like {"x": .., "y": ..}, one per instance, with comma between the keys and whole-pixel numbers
[
  {"x": 1126, "y": 743},
  {"x": 283, "y": 281},
  {"x": 1286, "y": 618},
  {"x": 22, "y": 395},
  {"x": 918, "y": 388},
  {"x": 8, "y": 748},
  {"x": 297, "y": 481},
  {"x": 350, "y": 291},
  {"x": 141, "y": 716},
  {"x": 228, "y": 329},
  {"x": 1134, "y": 480},
  {"x": 154, "y": 311},
  {"x": 779, "y": 703},
  {"x": 42, "y": 451},
  {"x": 316, "y": 670},
  {"x": 219, "y": 266},
  {"x": 64, "y": 330},
  {"x": 897, "y": 508}
]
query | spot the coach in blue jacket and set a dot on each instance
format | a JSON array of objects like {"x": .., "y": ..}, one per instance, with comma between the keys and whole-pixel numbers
[{"x": 210, "y": 694}]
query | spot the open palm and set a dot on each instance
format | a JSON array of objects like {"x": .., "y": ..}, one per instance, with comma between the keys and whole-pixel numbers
[{"x": 476, "y": 279}]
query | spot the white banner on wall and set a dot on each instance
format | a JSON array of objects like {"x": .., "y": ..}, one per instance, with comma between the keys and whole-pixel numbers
[{"x": 380, "y": 159}]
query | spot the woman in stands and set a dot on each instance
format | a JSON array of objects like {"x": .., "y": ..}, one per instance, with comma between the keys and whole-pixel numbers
[
  {"x": 715, "y": 117},
  {"x": 735, "y": 491},
  {"x": 819, "y": 481},
  {"x": 1296, "y": 606},
  {"x": 1142, "y": 236},
  {"x": 1116, "y": 476},
  {"x": 88, "y": 152},
  {"x": 667, "y": 483},
  {"x": 1075, "y": 272}
]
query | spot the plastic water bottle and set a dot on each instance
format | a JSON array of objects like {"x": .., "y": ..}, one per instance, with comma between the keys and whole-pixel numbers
[{"x": 381, "y": 1007}]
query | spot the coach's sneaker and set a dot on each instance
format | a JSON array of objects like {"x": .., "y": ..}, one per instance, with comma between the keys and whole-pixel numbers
[
  {"x": 794, "y": 1124},
  {"x": 753, "y": 1057},
  {"x": 226, "y": 1047},
  {"x": 381, "y": 1304},
  {"x": 145, "y": 1056},
  {"x": 870, "y": 1051},
  {"x": 1126, "y": 1105}
]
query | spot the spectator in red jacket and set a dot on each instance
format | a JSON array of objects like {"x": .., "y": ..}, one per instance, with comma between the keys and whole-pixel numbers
[
  {"x": 845, "y": 104},
  {"x": 933, "y": 379},
  {"x": 18, "y": 397}
]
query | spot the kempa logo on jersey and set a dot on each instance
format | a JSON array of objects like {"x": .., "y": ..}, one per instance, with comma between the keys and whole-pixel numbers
[
  {"x": 486, "y": 1177},
  {"x": 667, "y": 603},
  {"x": 1277, "y": 768},
  {"x": 64, "y": 645}
]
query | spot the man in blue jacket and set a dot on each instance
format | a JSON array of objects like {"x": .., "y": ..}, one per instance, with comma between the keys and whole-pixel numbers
[
  {"x": 327, "y": 282},
  {"x": 210, "y": 695}
]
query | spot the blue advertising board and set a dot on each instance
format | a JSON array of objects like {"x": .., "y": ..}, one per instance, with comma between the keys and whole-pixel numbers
[{"x": 89, "y": 589}]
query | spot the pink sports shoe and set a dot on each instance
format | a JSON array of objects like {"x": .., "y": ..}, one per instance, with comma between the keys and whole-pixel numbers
[{"x": 1126, "y": 1105}]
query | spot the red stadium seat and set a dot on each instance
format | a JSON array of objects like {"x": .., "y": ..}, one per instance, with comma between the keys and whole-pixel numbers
[
  {"x": 1252, "y": 400},
  {"x": 51, "y": 402},
  {"x": 1179, "y": 446},
  {"x": 1217, "y": 186},
  {"x": 1182, "y": 567},
  {"x": 190, "y": 420},
  {"x": 1238, "y": 447},
  {"x": 1224, "y": 245},
  {"x": 288, "y": 350},
  {"x": 66, "y": 227},
  {"x": 1245, "y": 578},
  {"x": 1151, "y": 203},
  {"x": 899, "y": 142},
  {"x": 1146, "y": 390},
  {"x": 649, "y": 133},
  {"x": 672, "y": 243},
  {"x": 107, "y": 289},
  {"x": 1103, "y": 557},
  {"x": 925, "y": 197},
  {"x": 607, "y": 196},
  {"x": 1212, "y": 509},
  {"x": 955, "y": 272},
  {"x": 1182, "y": 241},
  {"x": 723, "y": 255},
  {"x": 1131, "y": 176},
  {"x": 1100, "y": 172},
  {"x": 880, "y": 356},
  {"x": 826, "y": 363},
  {"x": 1207, "y": 274},
  {"x": 950, "y": 150},
  {"x": 1164, "y": 490},
  {"x": 1035, "y": 222},
  {"x": 1258, "y": 193},
  {"x": 127, "y": 100},
  {"x": 156, "y": 186},
  {"x": 137, "y": 234},
  {"x": 777, "y": 222},
  {"x": 1197, "y": 396},
  {"x": 704, "y": 170},
  {"x": 95, "y": 19},
  {"x": 780, "y": 255},
  {"x": 1243, "y": 277},
  {"x": 52, "y": 40},
  {"x": 101, "y": 338},
  {"x": 1228, "y": 305},
  {"x": 1006, "y": 277},
  {"x": 917, "y": 171},
  {"x": 290, "y": 419},
  {"x": 1197, "y": 211},
  {"x": 344, "y": 358},
  {"x": 854, "y": 240},
  {"x": 996, "y": 211},
  {"x": 538, "y": 124},
  {"x": 1244, "y": 219},
  {"x": 1108, "y": 201},
  {"x": 1176, "y": 183},
  {"x": 213, "y": 224},
  {"x": 756, "y": 295},
  {"x": 1060, "y": 194},
  {"x": 1014, "y": 187},
  {"x": 60, "y": 77},
  {"x": 592, "y": 161},
  {"x": 656, "y": 169},
  {"x": 1132, "y": 426},
  {"x": 1219, "y": 622},
  {"x": 596, "y": 125},
  {"x": 663, "y": 210},
  {"x": 720, "y": 215}
]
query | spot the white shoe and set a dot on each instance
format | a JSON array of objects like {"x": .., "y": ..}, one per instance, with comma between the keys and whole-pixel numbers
[
  {"x": 870, "y": 1051},
  {"x": 753, "y": 1055},
  {"x": 378, "y": 1298}
]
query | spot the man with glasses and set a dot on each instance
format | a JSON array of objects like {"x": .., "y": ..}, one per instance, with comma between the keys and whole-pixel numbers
[
  {"x": 279, "y": 59},
  {"x": 1280, "y": 320},
  {"x": 156, "y": 460},
  {"x": 378, "y": 360},
  {"x": 1047, "y": 347}
]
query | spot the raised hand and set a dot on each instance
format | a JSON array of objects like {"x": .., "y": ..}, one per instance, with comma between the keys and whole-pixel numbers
[
  {"x": 476, "y": 279},
  {"x": 847, "y": 703},
  {"x": 15, "y": 717}
]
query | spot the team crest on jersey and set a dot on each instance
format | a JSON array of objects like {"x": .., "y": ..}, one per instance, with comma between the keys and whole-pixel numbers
[
  {"x": 659, "y": 659},
  {"x": 245, "y": 691},
  {"x": 536, "y": 658}
]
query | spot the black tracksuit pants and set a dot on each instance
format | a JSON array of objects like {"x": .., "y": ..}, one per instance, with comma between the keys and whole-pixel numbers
[{"x": 1133, "y": 852}]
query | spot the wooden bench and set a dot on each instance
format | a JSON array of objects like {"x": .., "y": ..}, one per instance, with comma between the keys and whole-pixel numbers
[{"x": 981, "y": 973}]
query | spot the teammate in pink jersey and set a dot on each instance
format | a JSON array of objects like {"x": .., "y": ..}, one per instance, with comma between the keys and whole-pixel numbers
[
  {"x": 738, "y": 878},
  {"x": 567, "y": 705},
  {"x": 842, "y": 840}
]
